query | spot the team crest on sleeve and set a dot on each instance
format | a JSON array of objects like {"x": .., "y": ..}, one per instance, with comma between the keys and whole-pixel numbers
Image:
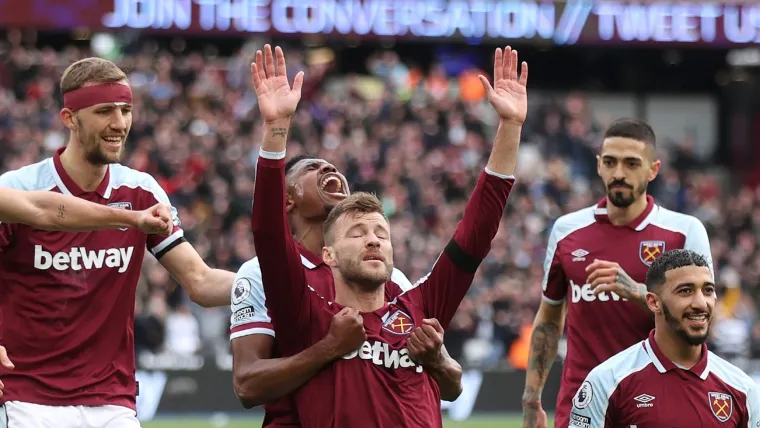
[
  {"x": 241, "y": 290},
  {"x": 650, "y": 250},
  {"x": 722, "y": 405},
  {"x": 121, "y": 206},
  {"x": 584, "y": 395},
  {"x": 399, "y": 323}
]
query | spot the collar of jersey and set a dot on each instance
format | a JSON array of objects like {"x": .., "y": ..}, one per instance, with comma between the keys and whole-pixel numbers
[
  {"x": 664, "y": 364},
  {"x": 68, "y": 186},
  {"x": 309, "y": 259},
  {"x": 638, "y": 224}
]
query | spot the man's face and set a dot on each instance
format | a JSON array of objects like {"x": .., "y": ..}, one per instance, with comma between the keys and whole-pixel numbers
[
  {"x": 315, "y": 188},
  {"x": 626, "y": 168},
  {"x": 102, "y": 130},
  {"x": 361, "y": 249},
  {"x": 688, "y": 299}
]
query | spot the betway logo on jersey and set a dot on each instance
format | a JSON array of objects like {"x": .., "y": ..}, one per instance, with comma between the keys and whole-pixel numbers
[
  {"x": 79, "y": 258},
  {"x": 586, "y": 294},
  {"x": 380, "y": 355}
]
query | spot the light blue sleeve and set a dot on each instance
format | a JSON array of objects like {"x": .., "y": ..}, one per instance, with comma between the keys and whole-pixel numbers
[
  {"x": 591, "y": 401},
  {"x": 249, "y": 311},
  {"x": 698, "y": 241},
  {"x": 753, "y": 406}
]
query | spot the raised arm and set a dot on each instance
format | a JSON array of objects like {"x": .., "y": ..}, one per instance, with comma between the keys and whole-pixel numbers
[
  {"x": 53, "y": 211},
  {"x": 281, "y": 269},
  {"x": 453, "y": 272}
]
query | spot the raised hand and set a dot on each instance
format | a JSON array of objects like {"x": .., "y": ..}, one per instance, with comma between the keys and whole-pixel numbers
[
  {"x": 610, "y": 277},
  {"x": 277, "y": 100},
  {"x": 156, "y": 220},
  {"x": 508, "y": 96}
]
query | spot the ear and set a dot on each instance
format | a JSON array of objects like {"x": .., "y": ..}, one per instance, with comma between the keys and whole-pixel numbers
[
  {"x": 655, "y": 170},
  {"x": 328, "y": 256},
  {"x": 67, "y": 116},
  {"x": 653, "y": 303},
  {"x": 290, "y": 204}
]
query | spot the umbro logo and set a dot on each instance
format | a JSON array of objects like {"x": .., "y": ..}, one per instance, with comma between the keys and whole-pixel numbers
[
  {"x": 579, "y": 255},
  {"x": 644, "y": 400}
]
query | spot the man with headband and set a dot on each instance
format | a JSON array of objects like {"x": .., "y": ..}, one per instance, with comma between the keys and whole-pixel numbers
[
  {"x": 260, "y": 376},
  {"x": 67, "y": 312}
]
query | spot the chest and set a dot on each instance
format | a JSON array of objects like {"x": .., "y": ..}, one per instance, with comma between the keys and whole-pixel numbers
[
  {"x": 697, "y": 404},
  {"x": 634, "y": 251}
]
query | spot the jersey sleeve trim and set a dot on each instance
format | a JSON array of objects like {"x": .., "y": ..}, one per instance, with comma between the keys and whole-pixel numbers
[
  {"x": 161, "y": 249},
  {"x": 496, "y": 174},
  {"x": 252, "y": 328},
  {"x": 272, "y": 155},
  {"x": 552, "y": 301}
]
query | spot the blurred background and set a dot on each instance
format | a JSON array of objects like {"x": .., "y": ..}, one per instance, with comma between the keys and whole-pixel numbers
[{"x": 393, "y": 100}]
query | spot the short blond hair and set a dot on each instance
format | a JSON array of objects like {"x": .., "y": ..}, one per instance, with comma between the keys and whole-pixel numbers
[
  {"x": 357, "y": 203},
  {"x": 90, "y": 70}
]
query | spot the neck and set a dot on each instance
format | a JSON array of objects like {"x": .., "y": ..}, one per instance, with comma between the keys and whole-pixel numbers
[
  {"x": 675, "y": 348},
  {"x": 85, "y": 175},
  {"x": 308, "y": 233},
  {"x": 355, "y": 296},
  {"x": 622, "y": 216}
]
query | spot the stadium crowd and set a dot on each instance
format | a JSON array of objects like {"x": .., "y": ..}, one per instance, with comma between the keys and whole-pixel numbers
[{"x": 417, "y": 138}]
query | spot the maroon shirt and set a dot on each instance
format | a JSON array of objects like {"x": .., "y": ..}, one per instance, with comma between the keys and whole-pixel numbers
[
  {"x": 378, "y": 385},
  {"x": 598, "y": 327},
  {"x": 250, "y": 315},
  {"x": 67, "y": 311},
  {"x": 640, "y": 387}
]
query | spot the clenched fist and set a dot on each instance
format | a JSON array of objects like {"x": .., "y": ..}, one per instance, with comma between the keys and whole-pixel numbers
[
  {"x": 156, "y": 220},
  {"x": 346, "y": 332},
  {"x": 425, "y": 342}
]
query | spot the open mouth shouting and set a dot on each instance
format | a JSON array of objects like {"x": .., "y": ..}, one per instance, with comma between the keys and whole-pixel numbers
[{"x": 333, "y": 186}]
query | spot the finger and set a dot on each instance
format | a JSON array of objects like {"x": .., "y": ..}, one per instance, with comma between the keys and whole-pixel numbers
[
  {"x": 255, "y": 75},
  {"x": 431, "y": 333},
  {"x": 599, "y": 264},
  {"x": 260, "y": 65},
  {"x": 605, "y": 280},
  {"x": 298, "y": 83},
  {"x": 486, "y": 86},
  {"x": 604, "y": 287},
  {"x": 433, "y": 323},
  {"x": 599, "y": 273},
  {"x": 281, "y": 67},
  {"x": 4, "y": 360},
  {"x": 344, "y": 311},
  {"x": 506, "y": 65},
  {"x": 360, "y": 319},
  {"x": 513, "y": 66},
  {"x": 498, "y": 71},
  {"x": 269, "y": 61},
  {"x": 524, "y": 74}
]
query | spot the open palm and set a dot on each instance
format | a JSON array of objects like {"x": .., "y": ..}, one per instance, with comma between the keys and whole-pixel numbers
[
  {"x": 508, "y": 95},
  {"x": 275, "y": 97}
]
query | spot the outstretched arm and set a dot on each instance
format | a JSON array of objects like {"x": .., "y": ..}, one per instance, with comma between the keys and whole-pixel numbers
[
  {"x": 451, "y": 277},
  {"x": 53, "y": 211}
]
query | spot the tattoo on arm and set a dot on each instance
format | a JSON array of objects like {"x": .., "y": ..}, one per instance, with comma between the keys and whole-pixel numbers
[
  {"x": 544, "y": 343},
  {"x": 279, "y": 132},
  {"x": 61, "y": 211},
  {"x": 635, "y": 289}
]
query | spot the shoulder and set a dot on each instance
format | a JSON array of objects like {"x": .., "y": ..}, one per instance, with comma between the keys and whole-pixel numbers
[
  {"x": 675, "y": 221},
  {"x": 251, "y": 268},
  {"x": 248, "y": 288},
  {"x": 607, "y": 376},
  {"x": 730, "y": 374},
  {"x": 126, "y": 177},
  {"x": 572, "y": 222},
  {"x": 37, "y": 176}
]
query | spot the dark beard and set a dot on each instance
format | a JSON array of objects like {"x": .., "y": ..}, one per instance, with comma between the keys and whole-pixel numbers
[
  {"x": 620, "y": 200},
  {"x": 681, "y": 332}
]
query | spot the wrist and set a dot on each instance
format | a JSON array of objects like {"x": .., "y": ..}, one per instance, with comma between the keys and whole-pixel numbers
[
  {"x": 327, "y": 350},
  {"x": 510, "y": 122},
  {"x": 277, "y": 123},
  {"x": 126, "y": 218}
]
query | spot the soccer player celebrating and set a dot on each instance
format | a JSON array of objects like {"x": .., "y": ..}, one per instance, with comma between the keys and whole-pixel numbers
[
  {"x": 595, "y": 266},
  {"x": 53, "y": 211},
  {"x": 66, "y": 316},
  {"x": 377, "y": 384},
  {"x": 670, "y": 379},
  {"x": 259, "y": 378}
]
